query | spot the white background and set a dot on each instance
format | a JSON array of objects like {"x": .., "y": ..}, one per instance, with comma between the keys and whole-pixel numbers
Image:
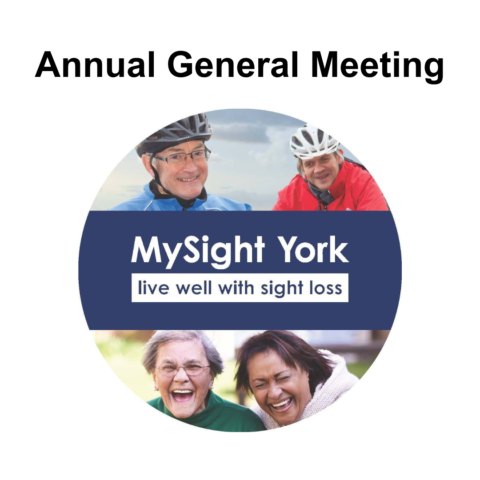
[{"x": 64, "y": 414}]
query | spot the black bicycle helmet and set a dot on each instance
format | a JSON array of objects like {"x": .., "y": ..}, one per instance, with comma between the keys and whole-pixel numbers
[{"x": 195, "y": 127}]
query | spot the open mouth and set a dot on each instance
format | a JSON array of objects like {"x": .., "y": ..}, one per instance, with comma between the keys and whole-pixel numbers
[
  {"x": 187, "y": 180},
  {"x": 282, "y": 406},
  {"x": 182, "y": 396},
  {"x": 323, "y": 177}
]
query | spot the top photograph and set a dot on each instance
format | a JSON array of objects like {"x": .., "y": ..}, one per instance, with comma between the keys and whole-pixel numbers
[{"x": 240, "y": 160}]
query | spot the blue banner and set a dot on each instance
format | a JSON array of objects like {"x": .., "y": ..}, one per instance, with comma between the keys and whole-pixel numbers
[{"x": 364, "y": 245}]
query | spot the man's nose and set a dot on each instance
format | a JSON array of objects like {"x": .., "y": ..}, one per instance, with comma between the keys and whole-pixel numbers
[{"x": 189, "y": 164}]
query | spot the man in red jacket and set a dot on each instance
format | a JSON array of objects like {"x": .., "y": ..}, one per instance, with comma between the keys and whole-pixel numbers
[{"x": 327, "y": 181}]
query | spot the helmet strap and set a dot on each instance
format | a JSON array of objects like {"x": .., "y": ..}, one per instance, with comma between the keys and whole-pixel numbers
[{"x": 157, "y": 178}]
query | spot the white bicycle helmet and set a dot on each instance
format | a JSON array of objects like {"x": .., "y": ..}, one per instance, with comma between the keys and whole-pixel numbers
[{"x": 310, "y": 142}]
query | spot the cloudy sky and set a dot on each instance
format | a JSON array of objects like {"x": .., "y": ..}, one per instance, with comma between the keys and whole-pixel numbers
[{"x": 250, "y": 162}]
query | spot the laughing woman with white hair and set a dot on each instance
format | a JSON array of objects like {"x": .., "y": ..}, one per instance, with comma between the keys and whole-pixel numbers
[{"x": 184, "y": 364}]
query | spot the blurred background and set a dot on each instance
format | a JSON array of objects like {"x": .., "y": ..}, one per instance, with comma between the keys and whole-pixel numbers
[{"x": 122, "y": 349}]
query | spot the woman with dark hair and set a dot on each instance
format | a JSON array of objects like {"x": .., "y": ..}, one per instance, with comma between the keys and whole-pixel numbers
[{"x": 289, "y": 378}]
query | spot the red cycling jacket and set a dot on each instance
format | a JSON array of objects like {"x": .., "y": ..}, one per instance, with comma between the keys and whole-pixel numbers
[{"x": 353, "y": 189}]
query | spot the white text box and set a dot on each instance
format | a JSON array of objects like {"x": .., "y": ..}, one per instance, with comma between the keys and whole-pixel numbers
[{"x": 239, "y": 287}]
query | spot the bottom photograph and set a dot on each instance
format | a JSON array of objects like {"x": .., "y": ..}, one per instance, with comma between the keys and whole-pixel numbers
[{"x": 242, "y": 380}]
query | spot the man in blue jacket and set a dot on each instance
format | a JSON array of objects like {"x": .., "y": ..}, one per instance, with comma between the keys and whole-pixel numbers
[{"x": 177, "y": 158}]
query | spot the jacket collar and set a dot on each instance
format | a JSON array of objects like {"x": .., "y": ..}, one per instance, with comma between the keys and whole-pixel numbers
[{"x": 337, "y": 188}]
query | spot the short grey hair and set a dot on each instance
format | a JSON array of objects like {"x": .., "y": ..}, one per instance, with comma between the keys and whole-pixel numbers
[{"x": 149, "y": 357}]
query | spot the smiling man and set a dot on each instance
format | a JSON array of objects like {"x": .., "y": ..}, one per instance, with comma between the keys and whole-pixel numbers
[
  {"x": 177, "y": 158},
  {"x": 326, "y": 180}
]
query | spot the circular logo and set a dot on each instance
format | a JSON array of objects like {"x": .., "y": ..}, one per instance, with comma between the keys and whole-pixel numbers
[{"x": 241, "y": 270}]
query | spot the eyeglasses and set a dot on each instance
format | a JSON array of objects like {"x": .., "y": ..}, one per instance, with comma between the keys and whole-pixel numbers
[
  {"x": 192, "y": 369},
  {"x": 198, "y": 157}
]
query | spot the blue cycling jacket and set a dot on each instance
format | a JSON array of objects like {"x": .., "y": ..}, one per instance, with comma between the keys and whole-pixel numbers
[{"x": 147, "y": 202}]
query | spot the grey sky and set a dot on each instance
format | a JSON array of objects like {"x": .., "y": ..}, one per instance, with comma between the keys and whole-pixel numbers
[
  {"x": 251, "y": 160},
  {"x": 237, "y": 132}
]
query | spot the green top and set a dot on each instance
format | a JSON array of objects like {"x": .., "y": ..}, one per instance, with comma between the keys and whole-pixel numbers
[{"x": 219, "y": 415}]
